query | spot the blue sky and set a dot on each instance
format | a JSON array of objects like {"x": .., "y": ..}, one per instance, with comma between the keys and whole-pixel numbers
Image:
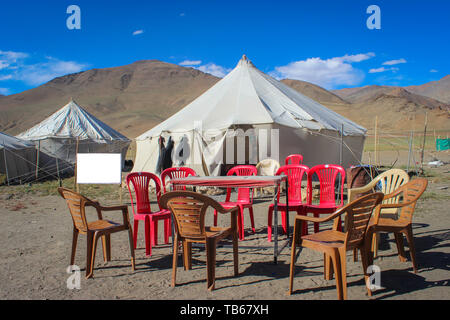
[{"x": 324, "y": 42}]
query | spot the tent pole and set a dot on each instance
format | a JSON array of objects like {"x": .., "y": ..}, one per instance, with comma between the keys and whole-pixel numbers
[
  {"x": 37, "y": 159},
  {"x": 6, "y": 166},
  {"x": 76, "y": 156},
  {"x": 57, "y": 170}
]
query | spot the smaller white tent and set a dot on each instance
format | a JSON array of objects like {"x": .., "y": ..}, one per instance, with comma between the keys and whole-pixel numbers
[
  {"x": 17, "y": 159},
  {"x": 72, "y": 129}
]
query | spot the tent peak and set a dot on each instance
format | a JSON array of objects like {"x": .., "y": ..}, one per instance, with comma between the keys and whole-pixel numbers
[{"x": 245, "y": 60}]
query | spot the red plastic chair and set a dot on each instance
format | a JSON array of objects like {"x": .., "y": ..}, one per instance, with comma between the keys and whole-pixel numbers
[
  {"x": 174, "y": 173},
  {"x": 142, "y": 209},
  {"x": 327, "y": 175},
  {"x": 295, "y": 173},
  {"x": 244, "y": 198},
  {"x": 294, "y": 159}
]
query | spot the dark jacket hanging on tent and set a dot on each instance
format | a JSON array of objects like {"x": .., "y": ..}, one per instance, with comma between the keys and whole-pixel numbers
[
  {"x": 161, "y": 155},
  {"x": 167, "y": 155}
]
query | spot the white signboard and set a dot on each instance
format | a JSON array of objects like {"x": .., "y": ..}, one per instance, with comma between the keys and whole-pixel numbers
[{"x": 99, "y": 168}]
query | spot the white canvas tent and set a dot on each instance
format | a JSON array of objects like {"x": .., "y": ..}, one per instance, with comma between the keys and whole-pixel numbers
[
  {"x": 73, "y": 129},
  {"x": 249, "y": 116},
  {"x": 17, "y": 158}
]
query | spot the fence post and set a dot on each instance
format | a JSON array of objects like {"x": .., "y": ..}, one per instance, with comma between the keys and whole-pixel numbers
[
  {"x": 376, "y": 138},
  {"x": 424, "y": 138},
  {"x": 409, "y": 153}
]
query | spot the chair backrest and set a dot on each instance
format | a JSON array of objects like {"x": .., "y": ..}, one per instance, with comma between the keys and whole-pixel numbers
[
  {"x": 174, "y": 173},
  {"x": 295, "y": 173},
  {"x": 267, "y": 167},
  {"x": 242, "y": 170},
  {"x": 327, "y": 175},
  {"x": 357, "y": 217},
  {"x": 76, "y": 203},
  {"x": 294, "y": 159},
  {"x": 140, "y": 181},
  {"x": 411, "y": 192},
  {"x": 189, "y": 209},
  {"x": 390, "y": 181}
]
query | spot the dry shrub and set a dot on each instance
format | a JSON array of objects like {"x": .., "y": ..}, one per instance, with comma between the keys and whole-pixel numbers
[{"x": 18, "y": 206}]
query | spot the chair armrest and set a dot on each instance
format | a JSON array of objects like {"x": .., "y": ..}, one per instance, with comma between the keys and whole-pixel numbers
[
  {"x": 397, "y": 205},
  {"x": 236, "y": 208},
  {"x": 351, "y": 192},
  {"x": 320, "y": 220},
  {"x": 99, "y": 208},
  {"x": 396, "y": 193},
  {"x": 114, "y": 208}
]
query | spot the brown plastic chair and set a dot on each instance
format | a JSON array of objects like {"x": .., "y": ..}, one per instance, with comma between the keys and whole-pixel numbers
[
  {"x": 334, "y": 244},
  {"x": 410, "y": 193},
  {"x": 95, "y": 229},
  {"x": 189, "y": 209},
  {"x": 386, "y": 182}
]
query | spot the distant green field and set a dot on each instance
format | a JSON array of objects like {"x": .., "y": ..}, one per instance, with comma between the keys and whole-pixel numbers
[
  {"x": 45, "y": 188},
  {"x": 396, "y": 142}
]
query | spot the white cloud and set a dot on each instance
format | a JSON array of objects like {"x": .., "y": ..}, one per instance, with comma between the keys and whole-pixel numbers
[
  {"x": 12, "y": 56},
  {"x": 383, "y": 69},
  {"x": 356, "y": 57},
  {"x": 39, "y": 73},
  {"x": 190, "y": 63},
  {"x": 8, "y": 58},
  {"x": 3, "y": 64},
  {"x": 433, "y": 70},
  {"x": 135, "y": 33},
  {"x": 214, "y": 69},
  {"x": 4, "y": 91},
  {"x": 329, "y": 73},
  {"x": 35, "y": 73},
  {"x": 5, "y": 77},
  {"x": 392, "y": 62}
]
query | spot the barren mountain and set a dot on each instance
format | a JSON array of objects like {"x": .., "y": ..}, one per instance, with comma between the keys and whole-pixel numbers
[
  {"x": 314, "y": 91},
  {"x": 439, "y": 90},
  {"x": 355, "y": 95},
  {"x": 398, "y": 113},
  {"x": 136, "y": 97},
  {"x": 397, "y": 108},
  {"x": 131, "y": 98}
]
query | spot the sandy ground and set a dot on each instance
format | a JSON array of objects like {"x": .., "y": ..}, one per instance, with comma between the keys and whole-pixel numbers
[{"x": 36, "y": 240}]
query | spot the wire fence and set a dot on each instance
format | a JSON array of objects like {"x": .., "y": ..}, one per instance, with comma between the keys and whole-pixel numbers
[{"x": 402, "y": 149}]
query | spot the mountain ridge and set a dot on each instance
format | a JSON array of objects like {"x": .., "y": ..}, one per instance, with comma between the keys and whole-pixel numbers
[{"x": 134, "y": 98}]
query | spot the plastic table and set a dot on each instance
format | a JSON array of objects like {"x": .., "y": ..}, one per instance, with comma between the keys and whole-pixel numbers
[{"x": 249, "y": 182}]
